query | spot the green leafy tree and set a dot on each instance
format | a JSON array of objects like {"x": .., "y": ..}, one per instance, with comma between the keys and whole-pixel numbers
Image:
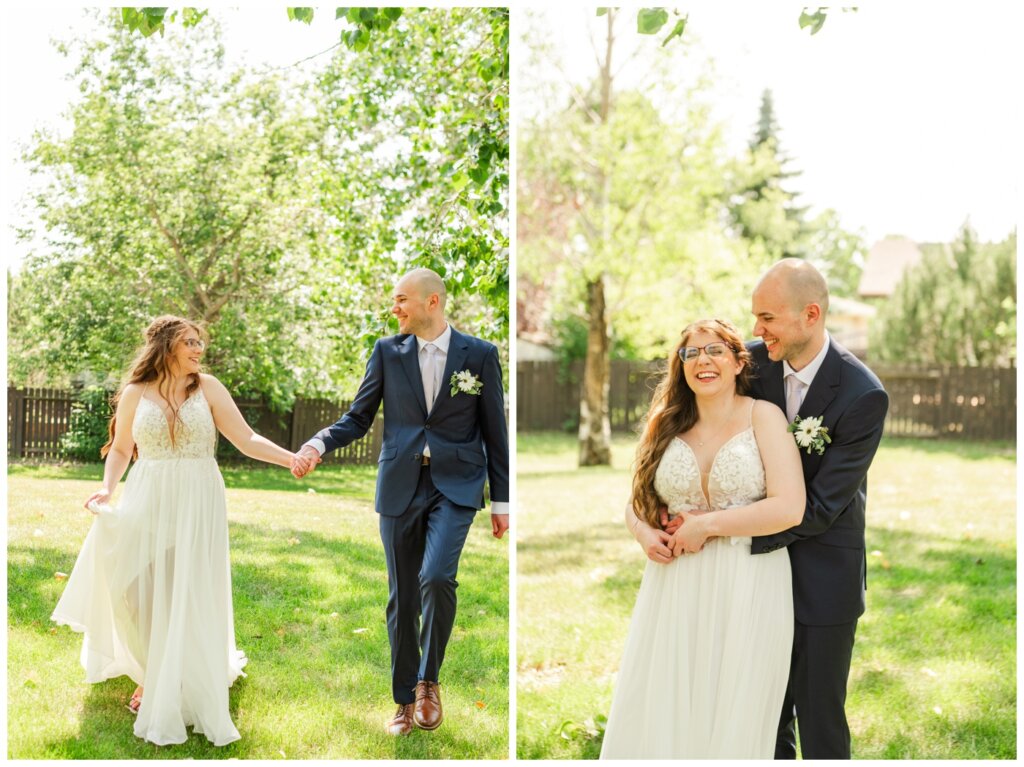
[
  {"x": 181, "y": 187},
  {"x": 763, "y": 211},
  {"x": 837, "y": 252},
  {"x": 619, "y": 208},
  {"x": 958, "y": 306},
  {"x": 414, "y": 161}
]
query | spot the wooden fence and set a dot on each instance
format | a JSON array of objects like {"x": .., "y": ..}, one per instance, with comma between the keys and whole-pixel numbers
[
  {"x": 38, "y": 418},
  {"x": 972, "y": 403}
]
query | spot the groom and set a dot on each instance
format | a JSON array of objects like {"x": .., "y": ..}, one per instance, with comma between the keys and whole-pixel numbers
[
  {"x": 444, "y": 436},
  {"x": 800, "y": 368}
]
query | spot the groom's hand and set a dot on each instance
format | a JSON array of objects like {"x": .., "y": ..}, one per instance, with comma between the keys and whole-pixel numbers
[
  {"x": 499, "y": 524},
  {"x": 668, "y": 525},
  {"x": 305, "y": 461}
]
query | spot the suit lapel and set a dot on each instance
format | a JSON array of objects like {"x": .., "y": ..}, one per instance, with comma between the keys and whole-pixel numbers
[
  {"x": 408, "y": 351},
  {"x": 823, "y": 387},
  {"x": 458, "y": 348}
]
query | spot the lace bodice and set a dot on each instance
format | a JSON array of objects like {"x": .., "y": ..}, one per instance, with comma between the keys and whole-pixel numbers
[
  {"x": 736, "y": 477},
  {"x": 195, "y": 435}
]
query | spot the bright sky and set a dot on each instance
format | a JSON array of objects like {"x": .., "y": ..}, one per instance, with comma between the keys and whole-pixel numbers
[
  {"x": 34, "y": 91},
  {"x": 903, "y": 117}
]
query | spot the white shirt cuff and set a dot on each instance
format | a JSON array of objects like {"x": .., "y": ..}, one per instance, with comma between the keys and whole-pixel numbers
[
  {"x": 499, "y": 507},
  {"x": 317, "y": 444}
]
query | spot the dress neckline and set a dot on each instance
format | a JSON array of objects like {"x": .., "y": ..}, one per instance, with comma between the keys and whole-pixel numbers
[
  {"x": 163, "y": 410},
  {"x": 714, "y": 460}
]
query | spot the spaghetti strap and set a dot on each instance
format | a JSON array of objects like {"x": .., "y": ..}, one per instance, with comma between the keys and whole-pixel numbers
[{"x": 750, "y": 415}]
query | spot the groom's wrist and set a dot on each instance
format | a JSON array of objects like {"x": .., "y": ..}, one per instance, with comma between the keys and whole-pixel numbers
[{"x": 317, "y": 444}]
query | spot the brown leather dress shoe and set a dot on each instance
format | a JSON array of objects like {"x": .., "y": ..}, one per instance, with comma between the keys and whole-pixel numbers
[
  {"x": 428, "y": 706},
  {"x": 402, "y": 722}
]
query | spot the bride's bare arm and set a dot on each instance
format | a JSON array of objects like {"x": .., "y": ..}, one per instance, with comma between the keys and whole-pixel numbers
[
  {"x": 783, "y": 505},
  {"x": 232, "y": 425},
  {"x": 121, "y": 448}
]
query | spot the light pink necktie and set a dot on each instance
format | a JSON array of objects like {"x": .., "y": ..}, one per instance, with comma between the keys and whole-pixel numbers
[{"x": 795, "y": 385}]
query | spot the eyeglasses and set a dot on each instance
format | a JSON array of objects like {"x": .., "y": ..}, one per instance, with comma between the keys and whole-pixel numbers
[
  {"x": 195, "y": 343},
  {"x": 714, "y": 349}
]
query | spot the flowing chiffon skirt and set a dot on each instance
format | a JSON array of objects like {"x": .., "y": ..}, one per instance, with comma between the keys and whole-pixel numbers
[
  {"x": 707, "y": 657},
  {"x": 151, "y": 591}
]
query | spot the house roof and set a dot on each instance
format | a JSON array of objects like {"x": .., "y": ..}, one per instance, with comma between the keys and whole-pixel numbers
[{"x": 887, "y": 261}]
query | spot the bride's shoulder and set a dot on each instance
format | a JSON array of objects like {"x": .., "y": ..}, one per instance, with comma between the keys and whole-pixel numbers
[
  {"x": 210, "y": 385},
  {"x": 765, "y": 414}
]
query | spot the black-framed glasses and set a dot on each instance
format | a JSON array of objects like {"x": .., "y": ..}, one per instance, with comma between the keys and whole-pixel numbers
[
  {"x": 714, "y": 350},
  {"x": 195, "y": 343}
]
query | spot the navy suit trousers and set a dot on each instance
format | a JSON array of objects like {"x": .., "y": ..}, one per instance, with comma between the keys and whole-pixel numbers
[{"x": 422, "y": 547}]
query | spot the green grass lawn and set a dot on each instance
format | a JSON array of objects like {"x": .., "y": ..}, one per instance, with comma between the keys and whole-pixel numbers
[
  {"x": 934, "y": 668},
  {"x": 310, "y": 587}
]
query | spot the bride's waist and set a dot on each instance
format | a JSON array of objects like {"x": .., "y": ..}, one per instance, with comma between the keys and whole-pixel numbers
[{"x": 167, "y": 459}]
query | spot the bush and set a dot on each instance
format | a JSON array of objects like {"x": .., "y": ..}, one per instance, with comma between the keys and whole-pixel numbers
[{"x": 88, "y": 432}]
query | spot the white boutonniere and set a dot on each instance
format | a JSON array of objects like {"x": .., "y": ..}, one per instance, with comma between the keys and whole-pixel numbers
[
  {"x": 810, "y": 434},
  {"x": 465, "y": 382}
]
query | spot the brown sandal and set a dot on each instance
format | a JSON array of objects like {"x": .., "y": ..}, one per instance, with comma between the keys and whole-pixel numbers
[{"x": 135, "y": 701}]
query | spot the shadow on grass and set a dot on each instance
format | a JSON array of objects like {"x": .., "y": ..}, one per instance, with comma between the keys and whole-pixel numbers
[
  {"x": 310, "y": 617},
  {"x": 933, "y": 600}
]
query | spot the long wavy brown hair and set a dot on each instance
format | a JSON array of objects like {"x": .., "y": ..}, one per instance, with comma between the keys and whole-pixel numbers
[
  {"x": 153, "y": 364},
  {"x": 673, "y": 411}
]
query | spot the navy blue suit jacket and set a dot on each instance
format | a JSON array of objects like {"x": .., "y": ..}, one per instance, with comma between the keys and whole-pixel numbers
[
  {"x": 467, "y": 433},
  {"x": 826, "y": 549}
]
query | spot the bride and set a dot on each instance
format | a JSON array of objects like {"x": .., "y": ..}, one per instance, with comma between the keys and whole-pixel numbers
[
  {"x": 151, "y": 588},
  {"x": 707, "y": 657}
]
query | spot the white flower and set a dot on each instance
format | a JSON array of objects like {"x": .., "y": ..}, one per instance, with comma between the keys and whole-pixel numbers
[
  {"x": 810, "y": 434},
  {"x": 465, "y": 382}
]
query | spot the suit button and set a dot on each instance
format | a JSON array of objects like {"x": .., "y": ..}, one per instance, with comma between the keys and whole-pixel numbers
[
  {"x": 427, "y": 427},
  {"x": 416, "y": 456}
]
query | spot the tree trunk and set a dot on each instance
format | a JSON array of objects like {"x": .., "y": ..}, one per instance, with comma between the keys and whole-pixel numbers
[{"x": 595, "y": 428}]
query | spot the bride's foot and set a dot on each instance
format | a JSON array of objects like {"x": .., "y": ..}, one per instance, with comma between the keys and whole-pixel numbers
[{"x": 135, "y": 701}]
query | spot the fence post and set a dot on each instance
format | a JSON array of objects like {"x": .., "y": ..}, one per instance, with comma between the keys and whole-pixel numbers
[{"x": 16, "y": 421}]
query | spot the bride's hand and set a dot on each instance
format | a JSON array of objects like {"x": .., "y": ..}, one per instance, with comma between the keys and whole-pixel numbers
[
  {"x": 691, "y": 535},
  {"x": 655, "y": 544},
  {"x": 100, "y": 498}
]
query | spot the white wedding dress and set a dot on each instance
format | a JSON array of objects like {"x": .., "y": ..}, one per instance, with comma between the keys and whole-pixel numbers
[
  {"x": 707, "y": 657},
  {"x": 152, "y": 585}
]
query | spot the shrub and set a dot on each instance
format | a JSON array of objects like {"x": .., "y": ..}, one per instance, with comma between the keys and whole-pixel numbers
[{"x": 90, "y": 416}]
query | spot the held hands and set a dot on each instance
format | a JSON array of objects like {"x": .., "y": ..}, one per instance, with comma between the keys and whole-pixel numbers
[
  {"x": 304, "y": 461},
  {"x": 690, "y": 534}
]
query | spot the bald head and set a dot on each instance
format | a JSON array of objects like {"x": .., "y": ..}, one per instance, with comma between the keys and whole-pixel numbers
[
  {"x": 799, "y": 281},
  {"x": 425, "y": 282}
]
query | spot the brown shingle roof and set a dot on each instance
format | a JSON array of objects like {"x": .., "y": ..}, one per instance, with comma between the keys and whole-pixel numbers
[{"x": 887, "y": 261}]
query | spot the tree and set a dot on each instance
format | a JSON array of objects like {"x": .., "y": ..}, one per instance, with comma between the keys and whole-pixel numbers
[
  {"x": 414, "y": 158},
  {"x": 619, "y": 208},
  {"x": 958, "y": 306},
  {"x": 836, "y": 252},
  {"x": 181, "y": 188},
  {"x": 279, "y": 213},
  {"x": 762, "y": 210}
]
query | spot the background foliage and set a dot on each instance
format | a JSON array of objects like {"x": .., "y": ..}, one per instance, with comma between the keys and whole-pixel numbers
[{"x": 277, "y": 208}]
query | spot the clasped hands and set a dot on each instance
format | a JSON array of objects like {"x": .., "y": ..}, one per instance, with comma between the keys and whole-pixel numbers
[
  {"x": 685, "y": 533},
  {"x": 304, "y": 461}
]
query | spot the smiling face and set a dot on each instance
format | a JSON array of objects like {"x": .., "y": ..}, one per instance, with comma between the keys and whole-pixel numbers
[
  {"x": 417, "y": 309},
  {"x": 187, "y": 353},
  {"x": 785, "y": 327},
  {"x": 708, "y": 374}
]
